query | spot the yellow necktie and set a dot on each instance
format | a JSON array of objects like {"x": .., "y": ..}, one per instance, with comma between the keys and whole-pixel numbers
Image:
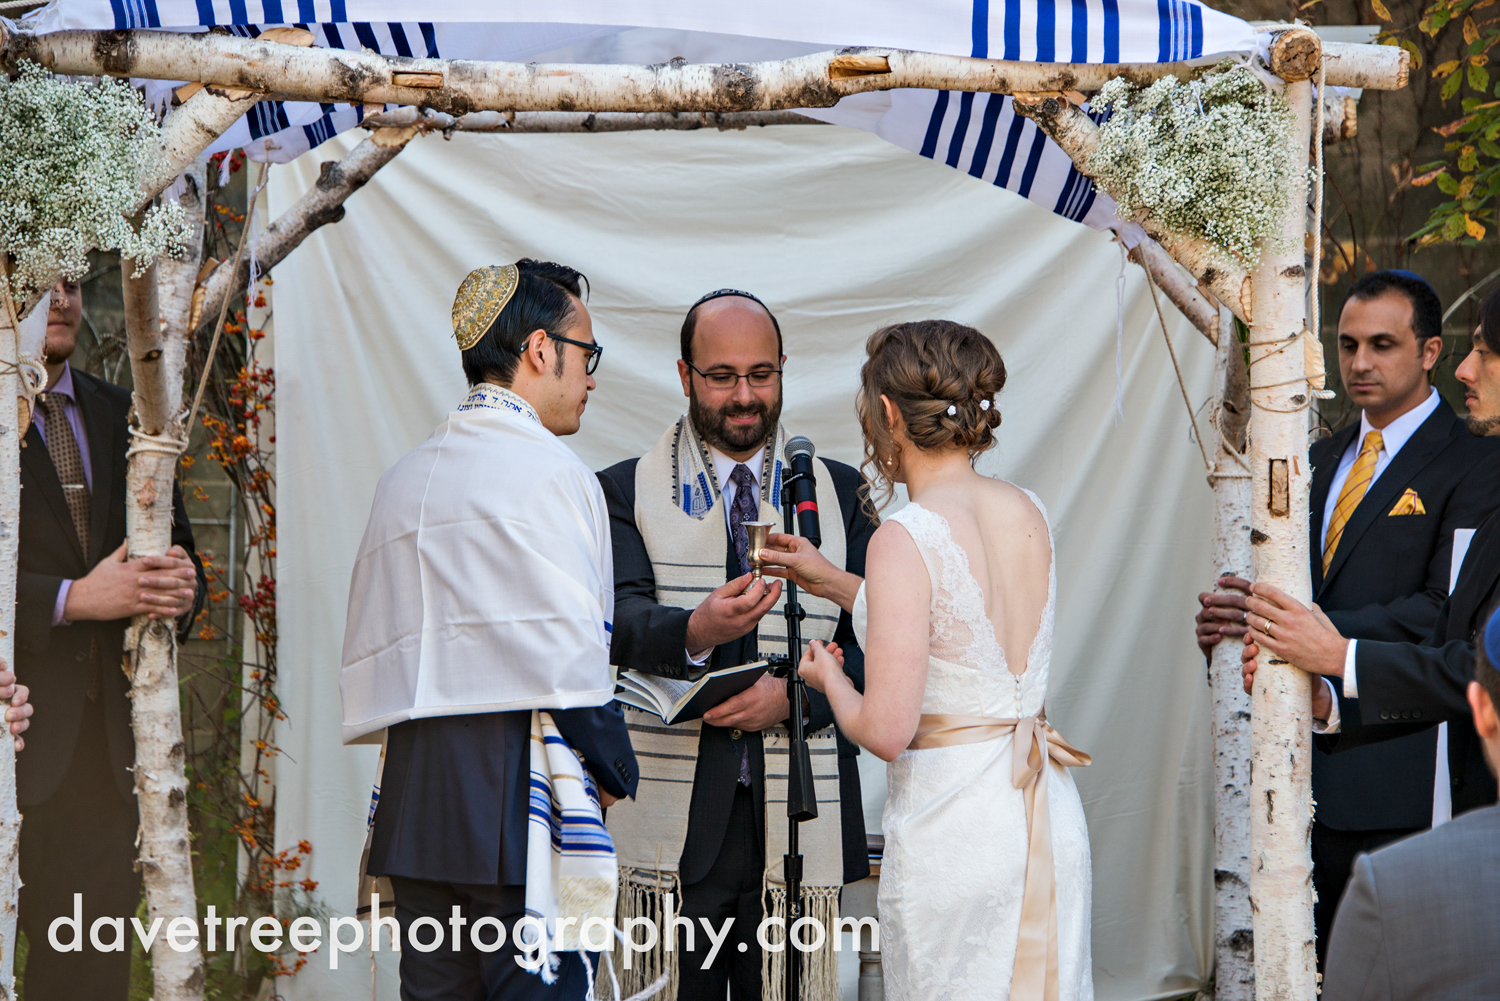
[{"x": 1353, "y": 492}]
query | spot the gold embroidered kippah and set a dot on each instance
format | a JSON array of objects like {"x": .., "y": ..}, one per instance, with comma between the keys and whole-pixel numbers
[{"x": 479, "y": 301}]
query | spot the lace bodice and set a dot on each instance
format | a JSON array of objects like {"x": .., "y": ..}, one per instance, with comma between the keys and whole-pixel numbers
[{"x": 968, "y": 673}]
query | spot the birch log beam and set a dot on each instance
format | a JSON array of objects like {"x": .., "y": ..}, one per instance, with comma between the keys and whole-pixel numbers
[
  {"x": 283, "y": 71},
  {"x": 157, "y": 355},
  {"x": 1281, "y": 725},
  {"x": 190, "y": 130},
  {"x": 581, "y": 121},
  {"x": 1234, "y": 936},
  {"x": 1177, "y": 284},
  {"x": 1078, "y": 136},
  {"x": 322, "y": 204}
]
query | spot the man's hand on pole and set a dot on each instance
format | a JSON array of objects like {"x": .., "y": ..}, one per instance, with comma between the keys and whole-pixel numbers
[
  {"x": 1222, "y": 615},
  {"x": 1294, "y": 632}
]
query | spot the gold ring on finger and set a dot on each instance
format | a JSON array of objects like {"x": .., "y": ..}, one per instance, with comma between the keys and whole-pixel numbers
[{"x": 1269, "y": 624}]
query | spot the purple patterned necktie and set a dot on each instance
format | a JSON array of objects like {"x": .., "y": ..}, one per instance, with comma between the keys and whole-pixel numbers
[{"x": 746, "y": 507}]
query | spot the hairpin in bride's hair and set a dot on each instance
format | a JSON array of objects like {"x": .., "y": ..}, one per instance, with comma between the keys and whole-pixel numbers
[
  {"x": 984, "y": 404},
  {"x": 952, "y": 410}
]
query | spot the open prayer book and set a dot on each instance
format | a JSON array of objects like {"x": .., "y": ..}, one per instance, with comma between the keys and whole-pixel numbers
[{"x": 683, "y": 701}]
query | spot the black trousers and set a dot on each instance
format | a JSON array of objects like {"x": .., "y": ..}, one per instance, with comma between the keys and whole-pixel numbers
[
  {"x": 82, "y": 840},
  {"x": 1333, "y": 853},
  {"x": 470, "y": 974},
  {"x": 732, "y": 889}
]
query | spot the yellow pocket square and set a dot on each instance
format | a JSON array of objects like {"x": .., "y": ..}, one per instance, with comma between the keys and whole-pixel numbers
[{"x": 1409, "y": 503}]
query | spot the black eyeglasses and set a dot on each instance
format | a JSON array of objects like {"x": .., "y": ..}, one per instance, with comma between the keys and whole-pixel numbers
[
  {"x": 761, "y": 378},
  {"x": 595, "y": 351}
]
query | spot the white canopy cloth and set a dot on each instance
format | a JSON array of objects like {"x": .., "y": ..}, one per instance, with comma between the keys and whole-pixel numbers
[
  {"x": 979, "y": 134},
  {"x": 839, "y": 233},
  {"x": 485, "y": 579}
]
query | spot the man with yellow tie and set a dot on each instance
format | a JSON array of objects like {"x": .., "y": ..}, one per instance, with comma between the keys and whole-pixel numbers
[{"x": 1388, "y": 493}]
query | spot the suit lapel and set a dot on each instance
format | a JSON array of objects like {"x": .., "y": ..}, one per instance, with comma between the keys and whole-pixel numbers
[
  {"x": 1323, "y": 472},
  {"x": 102, "y": 448},
  {"x": 1430, "y": 438},
  {"x": 1476, "y": 578},
  {"x": 38, "y": 463}
]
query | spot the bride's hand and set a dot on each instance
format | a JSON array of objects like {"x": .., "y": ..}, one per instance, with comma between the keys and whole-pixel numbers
[
  {"x": 794, "y": 558},
  {"x": 820, "y": 663}
]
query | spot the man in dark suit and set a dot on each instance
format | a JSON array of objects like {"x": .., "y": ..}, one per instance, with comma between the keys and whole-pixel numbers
[
  {"x": 1388, "y": 493},
  {"x": 75, "y": 595},
  {"x": 731, "y": 337},
  {"x": 493, "y": 598},
  {"x": 1391, "y": 689},
  {"x": 1420, "y": 919}
]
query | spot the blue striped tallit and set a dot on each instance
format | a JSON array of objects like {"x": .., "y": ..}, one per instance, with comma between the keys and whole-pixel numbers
[
  {"x": 571, "y": 874},
  {"x": 979, "y": 134}
]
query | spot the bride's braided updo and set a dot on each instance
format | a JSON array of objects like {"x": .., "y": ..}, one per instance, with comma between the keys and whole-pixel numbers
[{"x": 943, "y": 377}]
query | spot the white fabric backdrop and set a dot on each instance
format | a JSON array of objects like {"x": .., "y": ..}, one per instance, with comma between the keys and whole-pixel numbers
[{"x": 840, "y": 233}]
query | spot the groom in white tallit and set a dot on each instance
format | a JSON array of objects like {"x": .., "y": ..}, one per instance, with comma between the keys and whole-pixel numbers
[
  {"x": 709, "y": 826},
  {"x": 477, "y": 643}
]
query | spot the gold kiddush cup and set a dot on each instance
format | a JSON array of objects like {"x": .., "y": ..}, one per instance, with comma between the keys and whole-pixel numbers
[{"x": 759, "y": 531}]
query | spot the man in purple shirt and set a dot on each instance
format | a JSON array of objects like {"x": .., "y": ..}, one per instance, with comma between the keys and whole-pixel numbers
[{"x": 75, "y": 594}]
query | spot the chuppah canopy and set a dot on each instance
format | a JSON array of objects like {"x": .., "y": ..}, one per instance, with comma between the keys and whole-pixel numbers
[{"x": 979, "y": 134}]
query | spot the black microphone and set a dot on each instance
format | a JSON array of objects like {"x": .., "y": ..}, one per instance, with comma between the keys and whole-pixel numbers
[{"x": 799, "y": 454}]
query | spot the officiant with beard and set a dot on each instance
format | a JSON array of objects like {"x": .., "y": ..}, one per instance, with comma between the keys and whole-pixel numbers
[{"x": 709, "y": 826}]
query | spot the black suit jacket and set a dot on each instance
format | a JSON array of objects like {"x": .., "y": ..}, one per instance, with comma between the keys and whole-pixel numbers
[
  {"x": 1408, "y": 687},
  {"x": 455, "y": 793},
  {"x": 54, "y": 661},
  {"x": 1388, "y": 579},
  {"x": 651, "y": 637}
]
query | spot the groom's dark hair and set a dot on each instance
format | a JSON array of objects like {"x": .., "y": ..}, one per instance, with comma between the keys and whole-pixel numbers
[{"x": 543, "y": 301}]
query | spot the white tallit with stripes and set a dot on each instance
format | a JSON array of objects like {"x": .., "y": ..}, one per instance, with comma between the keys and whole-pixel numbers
[
  {"x": 678, "y": 511},
  {"x": 570, "y": 862}
]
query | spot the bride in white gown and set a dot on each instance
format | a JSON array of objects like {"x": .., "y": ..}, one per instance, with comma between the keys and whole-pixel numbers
[{"x": 985, "y": 884}]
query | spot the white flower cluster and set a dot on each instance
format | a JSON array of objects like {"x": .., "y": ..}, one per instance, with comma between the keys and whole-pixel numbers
[
  {"x": 1205, "y": 157},
  {"x": 71, "y": 158}
]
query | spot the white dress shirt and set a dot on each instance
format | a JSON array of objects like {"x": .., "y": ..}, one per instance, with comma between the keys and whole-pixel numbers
[{"x": 724, "y": 469}]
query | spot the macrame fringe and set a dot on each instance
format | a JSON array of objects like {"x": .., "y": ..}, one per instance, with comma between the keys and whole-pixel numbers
[
  {"x": 820, "y": 969},
  {"x": 643, "y": 894}
]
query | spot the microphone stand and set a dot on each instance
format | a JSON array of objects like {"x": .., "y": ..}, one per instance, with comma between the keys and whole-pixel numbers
[{"x": 801, "y": 798}]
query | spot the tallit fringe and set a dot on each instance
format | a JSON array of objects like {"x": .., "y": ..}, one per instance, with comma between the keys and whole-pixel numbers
[
  {"x": 820, "y": 969},
  {"x": 642, "y": 894}
]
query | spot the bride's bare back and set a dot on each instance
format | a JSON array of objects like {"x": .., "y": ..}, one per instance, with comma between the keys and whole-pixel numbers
[{"x": 1010, "y": 555}]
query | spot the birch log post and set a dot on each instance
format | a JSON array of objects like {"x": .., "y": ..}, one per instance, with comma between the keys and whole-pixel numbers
[
  {"x": 157, "y": 353},
  {"x": 1234, "y": 937},
  {"x": 12, "y": 409},
  {"x": 1281, "y": 891}
]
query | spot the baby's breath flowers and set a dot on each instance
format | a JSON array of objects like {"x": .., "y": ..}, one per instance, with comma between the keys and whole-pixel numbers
[
  {"x": 71, "y": 156},
  {"x": 1205, "y": 157}
]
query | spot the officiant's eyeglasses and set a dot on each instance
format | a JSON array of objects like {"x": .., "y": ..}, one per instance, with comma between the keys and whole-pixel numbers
[
  {"x": 761, "y": 378},
  {"x": 596, "y": 351}
]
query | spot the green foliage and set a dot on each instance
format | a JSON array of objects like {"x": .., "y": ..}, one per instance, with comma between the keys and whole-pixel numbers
[
  {"x": 1470, "y": 174},
  {"x": 1206, "y": 157},
  {"x": 71, "y": 158}
]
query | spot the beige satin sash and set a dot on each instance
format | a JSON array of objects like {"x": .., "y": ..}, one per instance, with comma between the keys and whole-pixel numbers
[{"x": 1035, "y": 974}]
